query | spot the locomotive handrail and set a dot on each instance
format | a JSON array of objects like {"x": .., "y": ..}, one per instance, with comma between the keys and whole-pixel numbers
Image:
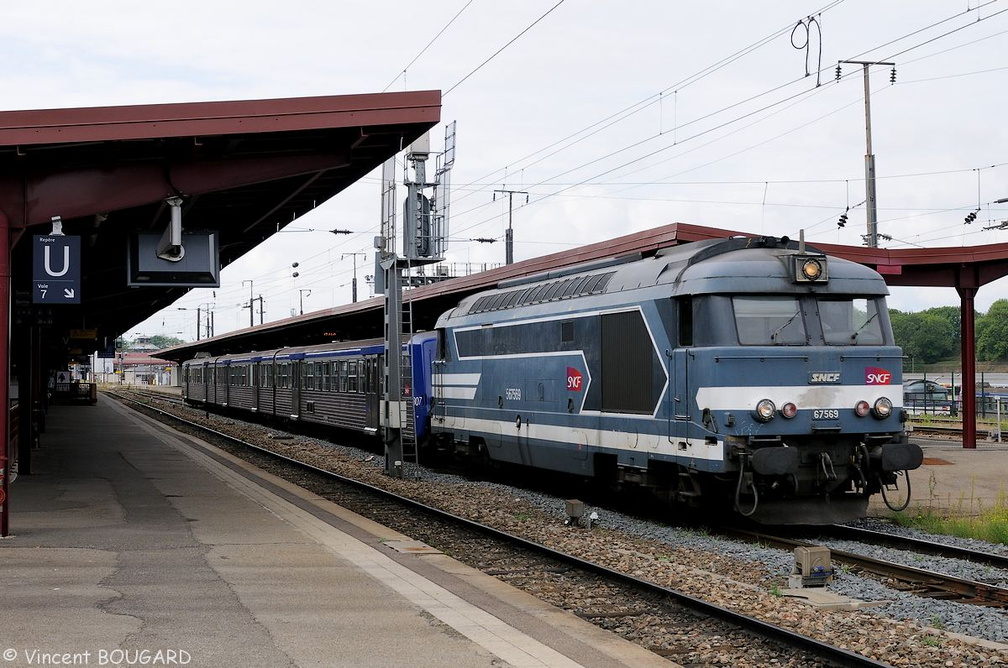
[{"x": 718, "y": 358}]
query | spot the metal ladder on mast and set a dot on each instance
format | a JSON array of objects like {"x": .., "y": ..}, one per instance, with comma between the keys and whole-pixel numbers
[{"x": 407, "y": 415}]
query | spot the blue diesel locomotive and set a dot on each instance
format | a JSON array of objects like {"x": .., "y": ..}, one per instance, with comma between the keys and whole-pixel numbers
[{"x": 749, "y": 373}]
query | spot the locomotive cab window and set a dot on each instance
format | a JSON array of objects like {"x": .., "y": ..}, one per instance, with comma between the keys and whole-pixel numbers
[
  {"x": 769, "y": 321},
  {"x": 567, "y": 331},
  {"x": 850, "y": 322},
  {"x": 685, "y": 321}
]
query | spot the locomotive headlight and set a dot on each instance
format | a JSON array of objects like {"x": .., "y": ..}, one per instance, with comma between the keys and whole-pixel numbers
[
  {"x": 789, "y": 410},
  {"x": 882, "y": 408},
  {"x": 862, "y": 408},
  {"x": 810, "y": 268},
  {"x": 765, "y": 410}
]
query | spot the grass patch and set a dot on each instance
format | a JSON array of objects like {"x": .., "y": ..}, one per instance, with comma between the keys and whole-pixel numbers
[{"x": 970, "y": 520}]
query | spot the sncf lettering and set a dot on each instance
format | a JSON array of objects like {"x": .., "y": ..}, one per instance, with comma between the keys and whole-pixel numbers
[
  {"x": 574, "y": 379},
  {"x": 824, "y": 377},
  {"x": 876, "y": 376}
]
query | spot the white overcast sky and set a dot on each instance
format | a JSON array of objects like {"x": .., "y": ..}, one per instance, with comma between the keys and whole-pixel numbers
[{"x": 615, "y": 117}]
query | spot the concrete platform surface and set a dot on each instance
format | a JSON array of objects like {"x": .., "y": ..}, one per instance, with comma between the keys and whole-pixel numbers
[{"x": 133, "y": 544}]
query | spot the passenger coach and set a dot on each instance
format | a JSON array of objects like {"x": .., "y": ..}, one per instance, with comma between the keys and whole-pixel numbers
[{"x": 336, "y": 384}]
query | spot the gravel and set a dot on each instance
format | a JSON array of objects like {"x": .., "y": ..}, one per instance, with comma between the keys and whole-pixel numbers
[{"x": 971, "y": 620}]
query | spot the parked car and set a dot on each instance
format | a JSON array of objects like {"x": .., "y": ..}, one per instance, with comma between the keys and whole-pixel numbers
[{"x": 927, "y": 396}]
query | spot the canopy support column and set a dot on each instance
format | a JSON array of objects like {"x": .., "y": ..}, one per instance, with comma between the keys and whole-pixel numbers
[
  {"x": 6, "y": 456},
  {"x": 967, "y": 330}
]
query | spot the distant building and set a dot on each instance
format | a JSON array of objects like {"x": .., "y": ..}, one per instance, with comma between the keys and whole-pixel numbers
[{"x": 138, "y": 367}]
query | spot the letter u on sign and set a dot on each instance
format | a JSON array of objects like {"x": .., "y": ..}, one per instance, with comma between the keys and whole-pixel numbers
[{"x": 47, "y": 262}]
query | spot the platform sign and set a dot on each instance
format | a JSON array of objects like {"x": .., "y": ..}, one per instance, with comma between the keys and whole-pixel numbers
[
  {"x": 56, "y": 269},
  {"x": 62, "y": 381},
  {"x": 108, "y": 350}
]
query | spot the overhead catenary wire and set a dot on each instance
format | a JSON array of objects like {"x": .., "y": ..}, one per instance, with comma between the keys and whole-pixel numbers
[
  {"x": 632, "y": 109},
  {"x": 609, "y": 171},
  {"x": 501, "y": 49},
  {"x": 428, "y": 45},
  {"x": 596, "y": 180}
]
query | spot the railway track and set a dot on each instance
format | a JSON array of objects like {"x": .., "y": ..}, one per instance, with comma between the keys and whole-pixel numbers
[
  {"x": 913, "y": 580},
  {"x": 617, "y": 596},
  {"x": 917, "y": 545}
]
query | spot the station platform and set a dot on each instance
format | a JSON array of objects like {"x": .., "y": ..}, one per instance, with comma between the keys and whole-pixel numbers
[{"x": 133, "y": 544}]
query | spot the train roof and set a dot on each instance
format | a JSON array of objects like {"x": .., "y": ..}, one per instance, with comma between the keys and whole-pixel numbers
[
  {"x": 293, "y": 352},
  {"x": 716, "y": 266},
  {"x": 369, "y": 346}
]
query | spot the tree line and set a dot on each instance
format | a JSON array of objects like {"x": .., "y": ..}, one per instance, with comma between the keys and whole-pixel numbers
[{"x": 934, "y": 335}]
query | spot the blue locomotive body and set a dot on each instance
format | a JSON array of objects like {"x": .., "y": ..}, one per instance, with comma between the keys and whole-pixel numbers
[
  {"x": 718, "y": 371},
  {"x": 744, "y": 372}
]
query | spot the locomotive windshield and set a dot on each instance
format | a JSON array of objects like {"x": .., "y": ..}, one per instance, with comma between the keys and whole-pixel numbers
[
  {"x": 774, "y": 320},
  {"x": 766, "y": 320},
  {"x": 850, "y": 322}
]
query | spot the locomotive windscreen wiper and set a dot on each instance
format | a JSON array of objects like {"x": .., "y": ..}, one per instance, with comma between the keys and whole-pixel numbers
[
  {"x": 773, "y": 337},
  {"x": 866, "y": 323}
]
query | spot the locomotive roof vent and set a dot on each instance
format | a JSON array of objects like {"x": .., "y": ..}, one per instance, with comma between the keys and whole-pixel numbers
[{"x": 810, "y": 269}]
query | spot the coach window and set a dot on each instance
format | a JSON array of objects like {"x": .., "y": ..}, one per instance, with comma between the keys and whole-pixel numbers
[
  {"x": 352, "y": 376},
  {"x": 344, "y": 369},
  {"x": 769, "y": 320}
]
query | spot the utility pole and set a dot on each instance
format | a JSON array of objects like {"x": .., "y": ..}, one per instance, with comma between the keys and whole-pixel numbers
[
  {"x": 301, "y": 294},
  {"x": 871, "y": 205},
  {"x": 342, "y": 257},
  {"x": 509, "y": 237},
  {"x": 251, "y": 300},
  {"x": 262, "y": 309}
]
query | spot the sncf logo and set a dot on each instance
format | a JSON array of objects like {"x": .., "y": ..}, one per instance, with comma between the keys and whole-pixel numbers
[
  {"x": 574, "y": 379},
  {"x": 877, "y": 376},
  {"x": 824, "y": 377}
]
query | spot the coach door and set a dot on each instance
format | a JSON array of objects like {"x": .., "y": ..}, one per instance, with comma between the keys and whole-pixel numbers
[
  {"x": 295, "y": 383},
  {"x": 205, "y": 378},
  {"x": 255, "y": 369},
  {"x": 372, "y": 393},
  {"x": 215, "y": 383},
  {"x": 226, "y": 381}
]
